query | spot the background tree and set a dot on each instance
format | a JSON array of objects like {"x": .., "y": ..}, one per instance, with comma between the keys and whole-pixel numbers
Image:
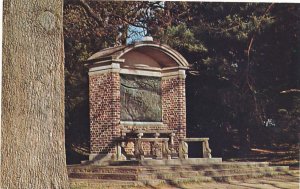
[
  {"x": 32, "y": 133},
  {"x": 246, "y": 59}
]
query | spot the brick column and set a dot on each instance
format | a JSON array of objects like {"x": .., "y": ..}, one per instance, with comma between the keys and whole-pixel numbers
[
  {"x": 104, "y": 101},
  {"x": 174, "y": 105}
]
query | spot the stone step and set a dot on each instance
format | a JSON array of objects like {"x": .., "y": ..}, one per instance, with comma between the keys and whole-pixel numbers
[
  {"x": 236, "y": 165},
  {"x": 153, "y": 182},
  {"x": 224, "y": 172},
  {"x": 228, "y": 178},
  {"x": 205, "y": 166},
  {"x": 100, "y": 169},
  {"x": 168, "y": 175},
  {"x": 125, "y": 163},
  {"x": 156, "y": 182},
  {"x": 135, "y": 169},
  {"x": 100, "y": 184},
  {"x": 104, "y": 176},
  {"x": 197, "y": 179},
  {"x": 166, "y": 162},
  {"x": 179, "y": 162}
]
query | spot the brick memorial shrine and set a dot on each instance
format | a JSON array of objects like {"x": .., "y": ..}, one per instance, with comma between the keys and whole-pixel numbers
[{"x": 138, "y": 106}]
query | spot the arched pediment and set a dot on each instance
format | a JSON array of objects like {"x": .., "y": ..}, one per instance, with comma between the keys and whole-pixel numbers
[{"x": 142, "y": 54}]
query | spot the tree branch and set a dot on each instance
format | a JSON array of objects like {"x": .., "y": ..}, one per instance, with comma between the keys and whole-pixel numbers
[
  {"x": 290, "y": 91},
  {"x": 90, "y": 12},
  {"x": 252, "y": 38},
  {"x": 251, "y": 87}
]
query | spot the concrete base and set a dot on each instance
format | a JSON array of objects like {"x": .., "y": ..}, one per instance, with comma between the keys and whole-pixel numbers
[
  {"x": 99, "y": 159},
  {"x": 109, "y": 159},
  {"x": 162, "y": 162},
  {"x": 190, "y": 161}
]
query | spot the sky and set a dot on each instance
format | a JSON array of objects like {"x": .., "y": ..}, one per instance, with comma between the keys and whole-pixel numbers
[{"x": 135, "y": 34}]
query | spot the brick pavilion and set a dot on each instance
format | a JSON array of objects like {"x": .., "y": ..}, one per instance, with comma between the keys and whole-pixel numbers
[{"x": 137, "y": 103}]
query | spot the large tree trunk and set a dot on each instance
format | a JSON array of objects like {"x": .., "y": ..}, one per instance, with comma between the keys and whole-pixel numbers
[{"x": 33, "y": 149}]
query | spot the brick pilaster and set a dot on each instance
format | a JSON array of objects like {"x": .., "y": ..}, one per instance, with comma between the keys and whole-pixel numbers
[
  {"x": 173, "y": 106},
  {"x": 104, "y": 92}
]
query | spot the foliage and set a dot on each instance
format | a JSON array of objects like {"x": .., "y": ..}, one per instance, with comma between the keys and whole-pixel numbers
[
  {"x": 182, "y": 37},
  {"x": 234, "y": 87}
]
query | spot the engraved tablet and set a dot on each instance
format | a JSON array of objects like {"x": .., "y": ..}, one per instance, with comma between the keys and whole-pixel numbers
[{"x": 140, "y": 98}]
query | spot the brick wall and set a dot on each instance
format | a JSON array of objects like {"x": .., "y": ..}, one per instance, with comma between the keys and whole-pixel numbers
[
  {"x": 105, "y": 111},
  {"x": 174, "y": 106},
  {"x": 104, "y": 92}
]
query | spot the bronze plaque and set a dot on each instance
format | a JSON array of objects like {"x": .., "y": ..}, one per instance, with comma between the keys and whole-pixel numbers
[{"x": 140, "y": 98}]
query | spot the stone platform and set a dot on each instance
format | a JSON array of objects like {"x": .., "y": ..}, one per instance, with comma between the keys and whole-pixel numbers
[
  {"x": 168, "y": 162},
  {"x": 153, "y": 175}
]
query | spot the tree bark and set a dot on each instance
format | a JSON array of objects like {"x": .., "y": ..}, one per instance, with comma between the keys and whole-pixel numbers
[{"x": 33, "y": 149}]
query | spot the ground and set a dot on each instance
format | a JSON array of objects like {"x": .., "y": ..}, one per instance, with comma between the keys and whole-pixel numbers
[
  {"x": 283, "y": 154},
  {"x": 290, "y": 181},
  {"x": 282, "y": 182}
]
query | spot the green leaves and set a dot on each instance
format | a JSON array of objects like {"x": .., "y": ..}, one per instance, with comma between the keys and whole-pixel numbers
[{"x": 180, "y": 37}]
